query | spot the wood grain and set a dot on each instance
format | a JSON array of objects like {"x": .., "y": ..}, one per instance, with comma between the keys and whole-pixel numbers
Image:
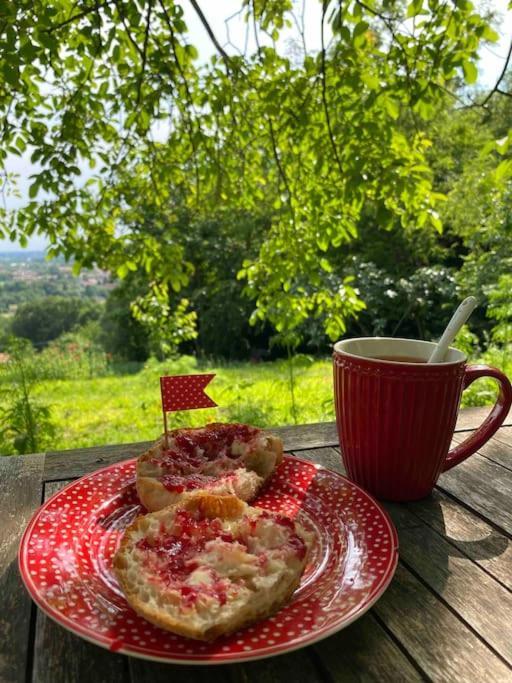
[
  {"x": 327, "y": 456},
  {"x": 296, "y": 667},
  {"x": 494, "y": 450},
  {"x": 504, "y": 434},
  {"x": 440, "y": 644},
  {"x": 62, "y": 657},
  {"x": 74, "y": 463},
  {"x": 477, "y": 539},
  {"x": 472, "y": 418},
  {"x": 365, "y": 647},
  {"x": 482, "y": 486},
  {"x": 476, "y": 597},
  {"x": 154, "y": 672},
  {"x": 79, "y": 461},
  {"x": 20, "y": 495},
  {"x": 447, "y": 609}
]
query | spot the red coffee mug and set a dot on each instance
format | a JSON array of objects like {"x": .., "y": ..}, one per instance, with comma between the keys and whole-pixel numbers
[{"x": 396, "y": 418}]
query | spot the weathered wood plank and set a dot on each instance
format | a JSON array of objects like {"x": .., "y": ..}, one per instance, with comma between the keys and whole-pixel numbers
[
  {"x": 79, "y": 461},
  {"x": 62, "y": 657},
  {"x": 472, "y": 418},
  {"x": 480, "y": 600},
  {"x": 494, "y": 450},
  {"x": 314, "y": 435},
  {"x": 20, "y": 495},
  {"x": 484, "y": 487},
  {"x": 154, "y": 672},
  {"x": 298, "y": 666},
  {"x": 327, "y": 456},
  {"x": 504, "y": 434},
  {"x": 365, "y": 652},
  {"x": 444, "y": 648},
  {"x": 479, "y": 483},
  {"x": 450, "y": 571},
  {"x": 478, "y": 540}
]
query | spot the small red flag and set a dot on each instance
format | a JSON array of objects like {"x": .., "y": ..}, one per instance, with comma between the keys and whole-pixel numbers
[{"x": 185, "y": 392}]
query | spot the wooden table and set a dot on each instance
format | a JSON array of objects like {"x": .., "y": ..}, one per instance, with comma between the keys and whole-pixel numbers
[{"x": 447, "y": 615}]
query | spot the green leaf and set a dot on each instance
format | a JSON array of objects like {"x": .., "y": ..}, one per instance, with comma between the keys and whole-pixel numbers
[
  {"x": 414, "y": 8},
  {"x": 370, "y": 80},
  {"x": 392, "y": 107},
  {"x": 503, "y": 170},
  {"x": 359, "y": 33},
  {"x": 20, "y": 144},
  {"x": 10, "y": 74},
  {"x": 470, "y": 72},
  {"x": 490, "y": 34},
  {"x": 191, "y": 51},
  {"x": 122, "y": 271}
]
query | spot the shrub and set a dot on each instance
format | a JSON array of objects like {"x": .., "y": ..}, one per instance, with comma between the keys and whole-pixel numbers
[{"x": 25, "y": 422}]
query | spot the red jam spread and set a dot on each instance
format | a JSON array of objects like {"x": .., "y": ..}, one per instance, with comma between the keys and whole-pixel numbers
[
  {"x": 179, "y": 483},
  {"x": 297, "y": 545},
  {"x": 173, "y": 555},
  {"x": 196, "y": 447},
  {"x": 294, "y": 542}
]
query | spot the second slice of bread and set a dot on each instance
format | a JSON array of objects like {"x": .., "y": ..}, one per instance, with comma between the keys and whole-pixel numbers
[{"x": 219, "y": 459}]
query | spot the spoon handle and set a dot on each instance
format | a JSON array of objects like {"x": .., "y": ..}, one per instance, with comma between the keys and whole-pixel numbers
[{"x": 458, "y": 319}]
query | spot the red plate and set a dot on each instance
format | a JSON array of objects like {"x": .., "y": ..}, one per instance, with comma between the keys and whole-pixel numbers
[{"x": 66, "y": 554}]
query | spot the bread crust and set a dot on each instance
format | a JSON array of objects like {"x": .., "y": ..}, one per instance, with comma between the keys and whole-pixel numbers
[
  {"x": 261, "y": 460},
  {"x": 260, "y": 605}
]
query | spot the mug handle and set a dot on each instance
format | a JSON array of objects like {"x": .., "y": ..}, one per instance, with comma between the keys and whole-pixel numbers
[{"x": 491, "y": 423}]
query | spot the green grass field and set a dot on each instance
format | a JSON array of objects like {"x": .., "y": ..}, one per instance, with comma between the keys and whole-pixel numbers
[
  {"x": 126, "y": 407},
  {"x": 120, "y": 409}
]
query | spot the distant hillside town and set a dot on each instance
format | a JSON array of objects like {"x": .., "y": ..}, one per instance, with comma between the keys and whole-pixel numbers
[{"x": 27, "y": 275}]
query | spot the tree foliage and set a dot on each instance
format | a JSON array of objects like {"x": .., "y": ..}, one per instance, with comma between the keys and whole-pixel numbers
[
  {"x": 318, "y": 139},
  {"x": 46, "y": 319}
]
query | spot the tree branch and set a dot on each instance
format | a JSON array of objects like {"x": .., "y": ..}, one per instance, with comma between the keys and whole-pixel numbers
[
  {"x": 128, "y": 32},
  {"x": 324, "y": 91},
  {"x": 218, "y": 46},
  {"x": 75, "y": 17},
  {"x": 388, "y": 23},
  {"x": 144, "y": 51},
  {"x": 190, "y": 102},
  {"x": 273, "y": 140},
  {"x": 228, "y": 34},
  {"x": 500, "y": 78}
]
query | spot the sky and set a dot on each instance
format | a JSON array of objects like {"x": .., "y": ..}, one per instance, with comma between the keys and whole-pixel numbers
[{"x": 230, "y": 29}]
